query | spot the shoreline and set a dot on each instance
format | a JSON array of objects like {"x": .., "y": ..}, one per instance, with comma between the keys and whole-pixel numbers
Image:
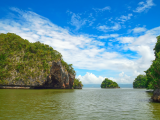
[
  {"x": 14, "y": 87},
  {"x": 29, "y": 87}
]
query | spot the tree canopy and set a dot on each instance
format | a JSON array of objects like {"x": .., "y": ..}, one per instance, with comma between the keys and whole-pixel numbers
[
  {"x": 153, "y": 72},
  {"x": 140, "y": 81},
  {"x": 107, "y": 83}
]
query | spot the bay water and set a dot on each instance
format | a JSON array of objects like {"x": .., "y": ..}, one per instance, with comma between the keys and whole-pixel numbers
[{"x": 78, "y": 104}]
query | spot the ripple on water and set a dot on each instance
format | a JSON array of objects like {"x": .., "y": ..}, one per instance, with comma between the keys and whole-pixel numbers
[{"x": 86, "y": 104}]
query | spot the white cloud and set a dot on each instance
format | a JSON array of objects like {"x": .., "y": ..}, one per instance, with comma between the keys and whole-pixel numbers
[
  {"x": 121, "y": 74},
  {"x": 102, "y": 9},
  {"x": 126, "y": 39},
  {"x": 83, "y": 51},
  {"x": 125, "y": 18},
  {"x": 105, "y": 28},
  {"x": 139, "y": 30},
  {"x": 108, "y": 36},
  {"x": 78, "y": 22},
  {"x": 90, "y": 78},
  {"x": 144, "y": 6}
]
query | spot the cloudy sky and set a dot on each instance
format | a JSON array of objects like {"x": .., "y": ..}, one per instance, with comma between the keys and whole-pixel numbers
[{"x": 102, "y": 38}]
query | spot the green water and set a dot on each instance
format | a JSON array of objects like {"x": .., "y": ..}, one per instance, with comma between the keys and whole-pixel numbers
[{"x": 85, "y": 104}]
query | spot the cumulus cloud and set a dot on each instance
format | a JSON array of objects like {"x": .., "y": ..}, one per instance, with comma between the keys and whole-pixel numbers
[
  {"x": 90, "y": 78},
  {"x": 122, "y": 78},
  {"x": 144, "y": 6}
]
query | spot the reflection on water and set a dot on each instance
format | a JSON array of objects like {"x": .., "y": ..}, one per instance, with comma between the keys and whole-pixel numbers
[{"x": 86, "y": 104}]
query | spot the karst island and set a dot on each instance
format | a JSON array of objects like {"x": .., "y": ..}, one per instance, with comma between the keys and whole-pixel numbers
[{"x": 33, "y": 65}]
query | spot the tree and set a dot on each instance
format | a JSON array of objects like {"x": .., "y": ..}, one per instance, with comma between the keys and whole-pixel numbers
[
  {"x": 153, "y": 73},
  {"x": 140, "y": 81}
]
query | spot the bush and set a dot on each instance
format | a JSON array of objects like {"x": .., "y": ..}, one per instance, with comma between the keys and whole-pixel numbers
[{"x": 77, "y": 83}]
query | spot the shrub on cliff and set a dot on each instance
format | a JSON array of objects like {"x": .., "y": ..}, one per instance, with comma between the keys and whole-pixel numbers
[
  {"x": 140, "y": 81},
  {"x": 107, "y": 83},
  {"x": 77, "y": 83},
  {"x": 153, "y": 73},
  {"x": 21, "y": 60}
]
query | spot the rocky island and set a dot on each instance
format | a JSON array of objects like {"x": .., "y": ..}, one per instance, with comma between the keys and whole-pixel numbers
[
  {"x": 32, "y": 65},
  {"x": 107, "y": 83}
]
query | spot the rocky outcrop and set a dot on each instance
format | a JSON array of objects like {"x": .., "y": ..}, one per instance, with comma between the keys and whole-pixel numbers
[
  {"x": 59, "y": 77},
  {"x": 78, "y": 87},
  {"x": 156, "y": 95}
]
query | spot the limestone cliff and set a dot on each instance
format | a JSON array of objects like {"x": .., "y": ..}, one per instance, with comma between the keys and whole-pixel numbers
[
  {"x": 59, "y": 77},
  {"x": 34, "y": 65}
]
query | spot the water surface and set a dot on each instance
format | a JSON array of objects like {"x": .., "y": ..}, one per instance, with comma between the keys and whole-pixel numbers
[{"x": 85, "y": 104}]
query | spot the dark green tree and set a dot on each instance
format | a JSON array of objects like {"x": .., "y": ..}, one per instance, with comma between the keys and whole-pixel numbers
[
  {"x": 153, "y": 73},
  {"x": 140, "y": 81}
]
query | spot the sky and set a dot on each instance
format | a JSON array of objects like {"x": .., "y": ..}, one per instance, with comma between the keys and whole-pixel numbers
[{"x": 102, "y": 38}]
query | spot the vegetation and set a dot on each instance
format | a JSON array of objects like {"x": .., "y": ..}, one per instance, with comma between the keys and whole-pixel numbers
[
  {"x": 77, "y": 83},
  {"x": 153, "y": 73},
  {"x": 140, "y": 81},
  {"x": 21, "y": 60},
  {"x": 107, "y": 83}
]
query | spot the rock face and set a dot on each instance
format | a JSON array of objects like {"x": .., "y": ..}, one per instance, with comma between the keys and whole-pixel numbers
[
  {"x": 58, "y": 78},
  {"x": 156, "y": 95}
]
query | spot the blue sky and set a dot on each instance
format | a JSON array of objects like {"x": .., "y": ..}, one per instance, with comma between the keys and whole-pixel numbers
[{"x": 113, "y": 39}]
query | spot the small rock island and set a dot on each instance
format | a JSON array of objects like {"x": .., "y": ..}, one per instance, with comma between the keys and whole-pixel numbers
[{"x": 107, "y": 83}]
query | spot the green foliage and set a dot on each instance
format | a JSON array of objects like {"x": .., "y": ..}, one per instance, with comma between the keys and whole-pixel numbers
[
  {"x": 68, "y": 67},
  {"x": 140, "y": 81},
  {"x": 24, "y": 59},
  {"x": 157, "y": 46},
  {"x": 153, "y": 73},
  {"x": 77, "y": 83},
  {"x": 107, "y": 83}
]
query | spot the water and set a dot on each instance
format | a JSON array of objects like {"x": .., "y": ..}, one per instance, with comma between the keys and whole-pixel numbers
[{"x": 85, "y": 104}]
